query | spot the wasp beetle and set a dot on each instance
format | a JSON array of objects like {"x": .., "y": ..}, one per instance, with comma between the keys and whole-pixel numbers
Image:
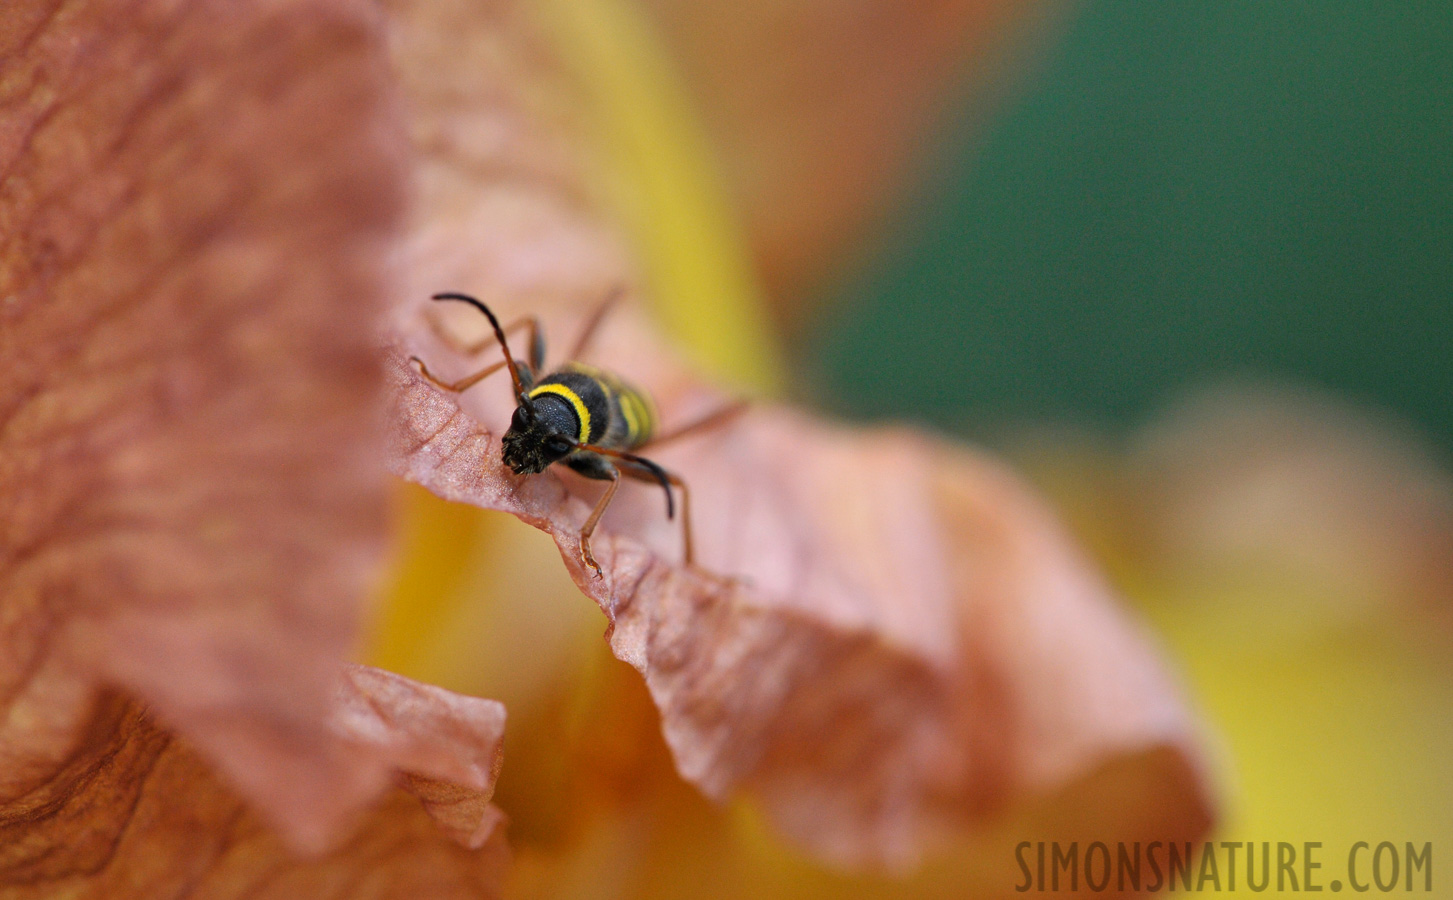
[{"x": 582, "y": 416}]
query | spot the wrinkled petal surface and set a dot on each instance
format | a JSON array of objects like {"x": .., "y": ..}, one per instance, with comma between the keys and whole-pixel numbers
[
  {"x": 135, "y": 812},
  {"x": 196, "y": 201},
  {"x": 906, "y": 639}
]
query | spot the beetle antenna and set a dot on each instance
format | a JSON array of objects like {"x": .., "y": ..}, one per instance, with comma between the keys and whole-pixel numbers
[{"x": 520, "y": 396}]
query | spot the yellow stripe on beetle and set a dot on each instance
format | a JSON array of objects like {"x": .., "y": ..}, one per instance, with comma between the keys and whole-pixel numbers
[
  {"x": 640, "y": 414},
  {"x": 581, "y": 412},
  {"x": 649, "y": 418},
  {"x": 630, "y": 411}
]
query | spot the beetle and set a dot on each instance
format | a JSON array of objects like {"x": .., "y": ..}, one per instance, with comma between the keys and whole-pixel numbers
[{"x": 588, "y": 418}]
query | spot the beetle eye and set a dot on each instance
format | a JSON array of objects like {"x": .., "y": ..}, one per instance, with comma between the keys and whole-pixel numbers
[
  {"x": 521, "y": 418},
  {"x": 558, "y": 445}
]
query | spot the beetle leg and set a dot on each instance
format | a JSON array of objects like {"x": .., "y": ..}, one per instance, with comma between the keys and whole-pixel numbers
[
  {"x": 537, "y": 352},
  {"x": 592, "y": 325},
  {"x": 468, "y": 381},
  {"x": 644, "y": 475},
  {"x": 712, "y": 419},
  {"x": 588, "y": 528},
  {"x": 536, "y": 343}
]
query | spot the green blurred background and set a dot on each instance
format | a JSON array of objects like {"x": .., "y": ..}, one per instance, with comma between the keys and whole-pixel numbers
[{"x": 1180, "y": 192}]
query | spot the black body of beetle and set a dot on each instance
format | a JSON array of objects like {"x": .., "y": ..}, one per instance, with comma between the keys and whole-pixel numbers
[
  {"x": 582, "y": 416},
  {"x": 576, "y": 404}
]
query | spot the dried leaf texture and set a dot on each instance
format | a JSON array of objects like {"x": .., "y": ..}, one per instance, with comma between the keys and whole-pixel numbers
[
  {"x": 194, "y": 204},
  {"x": 135, "y": 812},
  {"x": 905, "y": 640}
]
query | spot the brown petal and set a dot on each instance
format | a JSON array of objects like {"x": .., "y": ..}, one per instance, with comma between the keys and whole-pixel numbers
[
  {"x": 905, "y": 639},
  {"x": 449, "y": 745},
  {"x": 912, "y": 642},
  {"x": 134, "y": 812},
  {"x": 195, "y": 201}
]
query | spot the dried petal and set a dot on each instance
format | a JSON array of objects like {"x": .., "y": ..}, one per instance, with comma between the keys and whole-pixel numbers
[
  {"x": 911, "y": 642},
  {"x": 195, "y": 201},
  {"x": 134, "y": 812},
  {"x": 449, "y": 746},
  {"x": 898, "y": 639}
]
